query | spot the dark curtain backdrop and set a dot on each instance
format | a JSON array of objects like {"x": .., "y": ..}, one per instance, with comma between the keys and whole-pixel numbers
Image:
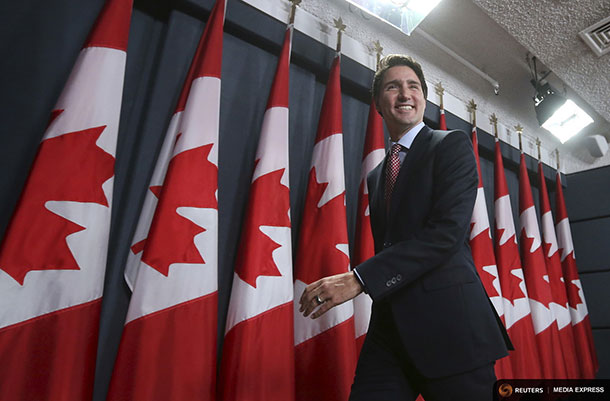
[{"x": 39, "y": 44}]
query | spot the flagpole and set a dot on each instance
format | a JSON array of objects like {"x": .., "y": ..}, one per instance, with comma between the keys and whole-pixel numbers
[
  {"x": 538, "y": 143},
  {"x": 293, "y": 9},
  {"x": 493, "y": 120},
  {"x": 519, "y": 130},
  {"x": 440, "y": 91},
  {"x": 472, "y": 108},
  {"x": 340, "y": 28},
  {"x": 378, "y": 49}
]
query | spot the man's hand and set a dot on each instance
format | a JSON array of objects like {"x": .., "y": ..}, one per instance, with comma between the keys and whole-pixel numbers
[{"x": 329, "y": 292}]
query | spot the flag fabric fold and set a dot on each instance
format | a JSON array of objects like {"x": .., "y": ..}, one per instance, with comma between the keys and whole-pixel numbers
[
  {"x": 168, "y": 349},
  {"x": 325, "y": 348},
  {"x": 482, "y": 248},
  {"x": 524, "y": 359},
  {"x": 581, "y": 325},
  {"x": 53, "y": 256},
  {"x": 559, "y": 305},
  {"x": 364, "y": 246},
  {"x": 258, "y": 351},
  {"x": 536, "y": 281}
]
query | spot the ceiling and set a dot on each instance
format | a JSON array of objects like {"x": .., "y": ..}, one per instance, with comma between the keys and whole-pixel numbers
[{"x": 496, "y": 36}]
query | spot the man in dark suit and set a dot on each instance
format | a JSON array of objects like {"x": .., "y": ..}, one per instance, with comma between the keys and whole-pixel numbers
[{"x": 433, "y": 330}]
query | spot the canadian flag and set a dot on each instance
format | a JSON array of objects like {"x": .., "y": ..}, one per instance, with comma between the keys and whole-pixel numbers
[
  {"x": 258, "y": 351},
  {"x": 482, "y": 248},
  {"x": 537, "y": 282},
  {"x": 524, "y": 359},
  {"x": 364, "y": 247},
  {"x": 559, "y": 305},
  {"x": 325, "y": 348},
  {"x": 53, "y": 257},
  {"x": 583, "y": 336},
  {"x": 168, "y": 348}
]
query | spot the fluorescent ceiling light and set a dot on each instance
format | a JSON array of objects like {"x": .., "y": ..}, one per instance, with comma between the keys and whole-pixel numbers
[
  {"x": 567, "y": 121},
  {"x": 403, "y": 14},
  {"x": 422, "y": 7}
]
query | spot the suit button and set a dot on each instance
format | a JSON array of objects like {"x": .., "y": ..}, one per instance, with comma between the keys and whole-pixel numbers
[
  {"x": 387, "y": 244},
  {"x": 393, "y": 280},
  {"x": 398, "y": 277},
  {"x": 388, "y": 284}
]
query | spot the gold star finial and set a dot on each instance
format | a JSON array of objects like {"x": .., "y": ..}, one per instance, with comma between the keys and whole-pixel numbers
[
  {"x": 519, "y": 130},
  {"x": 340, "y": 28},
  {"x": 472, "y": 108},
  {"x": 378, "y": 49},
  {"x": 493, "y": 120},
  {"x": 438, "y": 88}
]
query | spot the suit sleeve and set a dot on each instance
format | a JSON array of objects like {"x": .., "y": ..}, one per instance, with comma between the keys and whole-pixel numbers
[{"x": 445, "y": 230}]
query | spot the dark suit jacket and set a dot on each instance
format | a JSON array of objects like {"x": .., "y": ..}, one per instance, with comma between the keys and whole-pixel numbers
[{"x": 423, "y": 269}]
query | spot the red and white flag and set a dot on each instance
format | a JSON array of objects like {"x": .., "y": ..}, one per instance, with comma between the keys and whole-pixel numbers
[
  {"x": 53, "y": 257},
  {"x": 482, "y": 248},
  {"x": 364, "y": 246},
  {"x": 325, "y": 348},
  {"x": 524, "y": 359},
  {"x": 258, "y": 351},
  {"x": 537, "y": 282},
  {"x": 583, "y": 336},
  {"x": 168, "y": 348},
  {"x": 559, "y": 305}
]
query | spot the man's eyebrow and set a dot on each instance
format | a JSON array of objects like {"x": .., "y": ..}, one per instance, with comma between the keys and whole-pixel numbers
[{"x": 397, "y": 81}]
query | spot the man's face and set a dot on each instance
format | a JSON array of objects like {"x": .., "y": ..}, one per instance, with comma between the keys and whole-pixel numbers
[{"x": 401, "y": 100}]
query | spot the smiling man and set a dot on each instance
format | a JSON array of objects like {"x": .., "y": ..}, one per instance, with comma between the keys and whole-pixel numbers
[{"x": 433, "y": 329}]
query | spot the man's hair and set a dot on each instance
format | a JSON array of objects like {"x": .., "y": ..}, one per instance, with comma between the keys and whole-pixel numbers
[{"x": 394, "y": 60}]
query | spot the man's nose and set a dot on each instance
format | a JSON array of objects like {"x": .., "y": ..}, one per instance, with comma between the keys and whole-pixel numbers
[{"x": 402, "y": 93}]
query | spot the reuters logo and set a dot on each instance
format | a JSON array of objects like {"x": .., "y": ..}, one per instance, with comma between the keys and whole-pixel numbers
[{"x": 505, "y": 390}]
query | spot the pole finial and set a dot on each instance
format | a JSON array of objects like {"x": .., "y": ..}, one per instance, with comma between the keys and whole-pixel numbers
[
  {"x": 557, "y": 153},
  {"x": 472, "y": 108},
  {"x": 438, "y": 88},
  {"x": 493, "y": 120},
  {"x": 378, "y": 49},
  {"x": 538, "y": 143},
  {"x": 519, "y": 130},
  {"x": 293, "y": 10},
  {"x": 340, "y": 28}
]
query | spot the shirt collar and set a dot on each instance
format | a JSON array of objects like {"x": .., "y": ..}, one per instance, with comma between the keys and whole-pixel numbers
[{"x": 407, "y": 139}]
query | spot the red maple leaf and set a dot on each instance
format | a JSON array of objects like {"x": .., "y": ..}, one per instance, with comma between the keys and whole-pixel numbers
[
  {"x": 507, "y": 258},
  {"x": 155, "y": 189},
  {"x": 322, "y": 229},
  {"x": 365, "y": 246},
  {"x": 70, "y": 167},
  {"x": 534, "y": 269},
  {"x": 570, "y": 273},
  {"x": 191, "y": 181},
  {"x": 558, "y": 288},
  {"x": 482, "y": 253},
  {"x": 268, "y": 205}
]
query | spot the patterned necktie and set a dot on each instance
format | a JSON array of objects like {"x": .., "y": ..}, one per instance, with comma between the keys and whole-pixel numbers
[{"x": 391, "y": 172}]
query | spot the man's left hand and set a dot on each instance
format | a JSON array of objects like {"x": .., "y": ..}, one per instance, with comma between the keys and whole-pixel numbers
[{"x": 329, "y": 292}]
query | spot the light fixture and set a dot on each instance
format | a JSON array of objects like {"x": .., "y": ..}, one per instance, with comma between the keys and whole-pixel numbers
[
  {"x": 403, "y": 14},
  {"x": 558, "y": 115}
]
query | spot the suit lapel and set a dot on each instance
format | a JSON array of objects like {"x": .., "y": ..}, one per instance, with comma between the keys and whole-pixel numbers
[{"x": 409, "y": 165}]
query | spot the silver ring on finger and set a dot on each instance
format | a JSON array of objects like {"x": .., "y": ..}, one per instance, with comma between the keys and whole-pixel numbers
[{"x": 319, "y": 300}]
